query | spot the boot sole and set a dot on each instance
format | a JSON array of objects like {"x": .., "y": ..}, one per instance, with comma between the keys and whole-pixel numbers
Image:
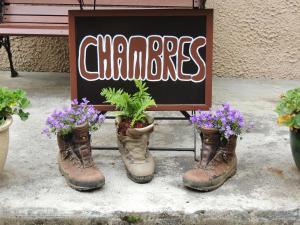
[
  {"x": 139, "y": 180},
  {"x": 80, "y": 188},
  {"x": 210, "y": 188}
]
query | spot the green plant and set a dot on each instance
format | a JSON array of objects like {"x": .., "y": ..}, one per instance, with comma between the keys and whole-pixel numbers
[
  {"x": 131, "y": 106},
  {"x": 132, "y": 219},
  {"x": 12, "y": 102},
  {"x": 288, "y": 109}
]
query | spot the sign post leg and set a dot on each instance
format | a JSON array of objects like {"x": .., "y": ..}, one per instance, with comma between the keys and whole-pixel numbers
[{"x": 187, "y": 117}]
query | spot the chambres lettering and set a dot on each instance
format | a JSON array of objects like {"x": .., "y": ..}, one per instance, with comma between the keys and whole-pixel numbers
[{"x": 152, "y": 58}]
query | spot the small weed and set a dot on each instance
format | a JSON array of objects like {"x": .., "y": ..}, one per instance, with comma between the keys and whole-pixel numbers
[{"x": 132, "y": 219}]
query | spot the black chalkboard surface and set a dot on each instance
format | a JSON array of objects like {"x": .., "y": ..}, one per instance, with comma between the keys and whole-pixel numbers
[{"x": 171, "y": 50}]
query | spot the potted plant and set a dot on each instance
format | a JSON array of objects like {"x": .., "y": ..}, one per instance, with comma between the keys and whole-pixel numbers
[
  {"x": 219, "y": 131},
  {"x": 288, "y": 109},
  {"x": 133, "y": 127},
  {"x": 12, "y": 102},
  {"x": 72, "y": 127}
]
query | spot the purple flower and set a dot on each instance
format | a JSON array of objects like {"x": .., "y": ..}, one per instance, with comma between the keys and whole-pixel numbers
[
  {"x": 62, "y": 122},
  {"x": 228, "y": 121},
  {"x": 226, "y": 107},
  {"x": 85, "y": 101},
  {"x": 75, "y": 102},
  {"x": 101, "y": 118}
]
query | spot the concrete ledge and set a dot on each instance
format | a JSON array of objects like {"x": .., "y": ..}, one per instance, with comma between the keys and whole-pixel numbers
[
  {"x": 265, "y": 189},
  {"x": 164, "y": 218}
]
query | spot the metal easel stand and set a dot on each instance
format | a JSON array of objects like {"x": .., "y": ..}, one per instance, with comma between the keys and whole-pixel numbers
[
  {"x": 81, "y": 4},
  {"x": 199, "y": 4},
  {"x": 184, "y": 113},
  {"x": 186, "y": 117}
]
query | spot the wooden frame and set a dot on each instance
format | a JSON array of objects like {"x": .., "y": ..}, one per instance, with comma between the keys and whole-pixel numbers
[
  {"x": 131, "y": 13},
  {"x": 160, "y": 3}
]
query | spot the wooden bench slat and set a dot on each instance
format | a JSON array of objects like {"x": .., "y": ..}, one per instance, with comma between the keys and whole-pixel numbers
[
  {"x": 37, "y": 10},
  {"x": 175, "y": 3},
  {"x": 43, "y": 2},
  {"x": 29, "y": 29},
  {"x": 35, "y": 25},
  {"x": 35, "y": 19},
  {"x": 33, "y": 31},
  {"x": 54, "y": 10}
]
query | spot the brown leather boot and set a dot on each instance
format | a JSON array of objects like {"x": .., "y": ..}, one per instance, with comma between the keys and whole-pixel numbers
[
  {"x": 219, "y": 169},
  {"x": 210, "y": 143},
  {"x": 76, "y": 162}
]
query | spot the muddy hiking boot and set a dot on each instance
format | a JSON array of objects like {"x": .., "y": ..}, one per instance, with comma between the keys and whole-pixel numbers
[
  {"x": 217, "y": 171},
  {"x": 135, "y": 154},
  {"x": 76, "y": 163}
]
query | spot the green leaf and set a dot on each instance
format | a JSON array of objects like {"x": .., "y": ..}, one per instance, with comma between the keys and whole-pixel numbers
[
  {"x": 13, "y": 102},
  {"x": 297, "y": 121},
  {"x": 24, "y": 116},
  {"x": 2, "y": 120},
  {"x": 131, "y": 106},
  {"x": 289, "y": 107}
]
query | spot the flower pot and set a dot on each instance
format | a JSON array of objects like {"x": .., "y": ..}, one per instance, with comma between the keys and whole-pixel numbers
[
  {"x": 295, "y": 145},
  {"x": 210, "y": 176},
  {"x": 134, "y": 151},
  {"x": 75, "y": 160},
  {"x": 4, "y": 140}
]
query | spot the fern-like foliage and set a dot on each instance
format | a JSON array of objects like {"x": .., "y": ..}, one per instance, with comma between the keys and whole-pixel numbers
[{"x": 131, "y": 106}]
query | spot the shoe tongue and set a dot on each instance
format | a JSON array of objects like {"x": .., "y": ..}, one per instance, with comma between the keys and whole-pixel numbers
[{"x": 82, "y": 151}]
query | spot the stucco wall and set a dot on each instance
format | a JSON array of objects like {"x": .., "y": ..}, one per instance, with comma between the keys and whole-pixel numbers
[
  {"x": 37, "y": 54},
  {"x": 252, "y": 38}
]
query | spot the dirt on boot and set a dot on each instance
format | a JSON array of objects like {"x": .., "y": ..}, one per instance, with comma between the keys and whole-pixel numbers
[
  {"x": 76, "y": 163},
  {"x": 124, "y": 125},
  {"x": 218, "y": 170}
]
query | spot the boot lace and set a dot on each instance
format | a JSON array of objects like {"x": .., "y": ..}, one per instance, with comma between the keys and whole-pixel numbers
[
  {"x": 221, "y": 156},
  {"x": 68, "y": 154}
]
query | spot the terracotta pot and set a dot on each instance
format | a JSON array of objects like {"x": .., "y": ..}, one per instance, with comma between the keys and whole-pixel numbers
[
  {"x": 4, "y": 140},
  {"x": 295, "y": 145}
]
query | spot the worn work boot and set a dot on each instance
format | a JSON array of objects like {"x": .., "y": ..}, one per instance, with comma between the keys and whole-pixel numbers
[
  {"x": 219, "y": 169},
  {"x": 210, "y": 138},
  {"x": 135, "y": 154},
  {"x": 76, "y": 162}
]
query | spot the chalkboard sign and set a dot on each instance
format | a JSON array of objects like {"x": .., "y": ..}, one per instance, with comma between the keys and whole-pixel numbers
[{"x": 171, "y": 50}]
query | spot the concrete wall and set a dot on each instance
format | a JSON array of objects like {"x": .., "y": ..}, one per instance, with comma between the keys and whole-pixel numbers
[{"x": 252, "y": 39}]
